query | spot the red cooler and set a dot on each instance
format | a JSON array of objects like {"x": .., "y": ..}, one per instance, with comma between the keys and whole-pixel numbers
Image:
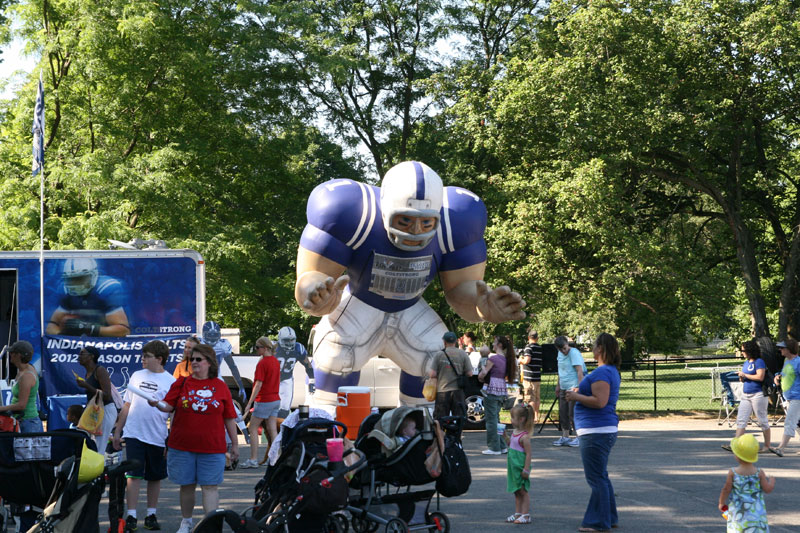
[{"x": 352, "y": 407}]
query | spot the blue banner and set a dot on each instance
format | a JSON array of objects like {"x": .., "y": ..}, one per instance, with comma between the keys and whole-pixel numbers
[{"x": 121, "y": 356}]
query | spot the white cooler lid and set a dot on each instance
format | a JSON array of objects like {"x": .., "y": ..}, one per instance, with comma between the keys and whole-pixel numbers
[{"x": 354, "y": 389}]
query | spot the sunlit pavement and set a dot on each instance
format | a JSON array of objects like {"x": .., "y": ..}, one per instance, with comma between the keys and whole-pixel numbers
[{"x": 667, "y": 474}]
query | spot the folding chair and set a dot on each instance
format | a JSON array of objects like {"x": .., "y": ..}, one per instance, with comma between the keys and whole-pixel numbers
[
  {"x": 731, "y": 396},
  {"x": 780, "y": 403}
]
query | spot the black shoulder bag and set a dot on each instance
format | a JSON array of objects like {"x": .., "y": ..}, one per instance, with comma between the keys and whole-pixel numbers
[{"x": 461, "y": 379}]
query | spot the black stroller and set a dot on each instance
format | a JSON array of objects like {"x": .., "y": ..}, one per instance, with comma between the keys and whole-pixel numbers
[
  {"x": 43, "y": 470},
  {"x": 301, "y": 492},
  {"x": 393, "y": 469}
]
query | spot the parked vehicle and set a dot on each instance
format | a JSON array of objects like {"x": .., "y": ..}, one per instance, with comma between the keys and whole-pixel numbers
[{"x": 380, "y": 374}]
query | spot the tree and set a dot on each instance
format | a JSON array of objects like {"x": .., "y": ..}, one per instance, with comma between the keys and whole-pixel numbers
[
  {"x": 691, "y": 109},
  {"x": 360, "y": 65},
  {"x": 149, "y": 134}
]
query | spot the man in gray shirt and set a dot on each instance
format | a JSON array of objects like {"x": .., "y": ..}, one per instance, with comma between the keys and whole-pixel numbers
[{"x": 447, "y": 366}]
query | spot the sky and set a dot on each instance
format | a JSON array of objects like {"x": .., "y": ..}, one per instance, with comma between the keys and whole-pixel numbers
[{"x": 12, "y": 61}]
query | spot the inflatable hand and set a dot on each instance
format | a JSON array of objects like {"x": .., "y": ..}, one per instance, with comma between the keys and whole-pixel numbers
[
  {"x": 498, "y": 305},
  {"x": 322, "y": 297}
]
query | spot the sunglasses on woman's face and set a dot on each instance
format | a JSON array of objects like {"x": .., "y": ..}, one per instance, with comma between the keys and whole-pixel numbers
[{"x": 197, "y": 359}]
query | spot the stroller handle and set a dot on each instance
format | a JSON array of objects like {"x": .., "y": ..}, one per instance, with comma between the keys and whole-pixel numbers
[{"x": 123, "y": 467}]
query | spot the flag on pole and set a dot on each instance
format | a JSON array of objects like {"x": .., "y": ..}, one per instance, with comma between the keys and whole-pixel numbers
[{"x": 38, "y": 130}]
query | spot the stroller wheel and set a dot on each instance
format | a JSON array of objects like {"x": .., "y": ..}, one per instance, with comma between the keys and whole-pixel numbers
[
  {"x": 396, "y": 525},
  {"x": 439, "y": 522},
  {"x": 336, "y": 523}
]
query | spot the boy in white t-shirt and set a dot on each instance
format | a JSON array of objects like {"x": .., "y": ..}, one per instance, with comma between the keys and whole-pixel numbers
[{"x": 145, "y": 431}]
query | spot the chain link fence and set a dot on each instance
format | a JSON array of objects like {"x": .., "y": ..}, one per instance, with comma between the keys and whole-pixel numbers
[{"x": 662, "y": 384}]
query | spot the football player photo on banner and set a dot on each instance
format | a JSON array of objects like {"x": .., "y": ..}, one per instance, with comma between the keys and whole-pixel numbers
[{"x": 111, "y": 298}]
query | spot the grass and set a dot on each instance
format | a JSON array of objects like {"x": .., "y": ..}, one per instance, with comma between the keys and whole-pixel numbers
[{"x": 675, "y": 387}]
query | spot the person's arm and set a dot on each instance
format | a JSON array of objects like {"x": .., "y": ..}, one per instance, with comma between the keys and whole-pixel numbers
[
  {"x": 767, "y": 482},
  {"x": 320, "y": 283},
  {"x": 253, "y": 395},
  {"x": 726, "y": 491},
  {"x": 579, "y": 371},
  {"x": 526, "y": 466},
  {"x": 118, "y": 325},
  {"x": 103, "y": 379},
  {"x": 121, "y": 419},
  {"x": 525, "y": 358},
  {"x": 54, "y": 324},
  {"x": 162, "y": 406},
  {"x": 601, "y": 390},
  {"x": 230, "y": 425},
  {"x": 24, "y": 385},
  {"x": 486, "y": 368}
]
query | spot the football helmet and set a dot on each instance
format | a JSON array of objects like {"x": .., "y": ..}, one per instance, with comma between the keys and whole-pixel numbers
[
  {"x": 211, "y": 332},
  {"x": 414, "y": 189},
  {"x": 80, "y": 275},
  {"x": 287, "y": 338}
]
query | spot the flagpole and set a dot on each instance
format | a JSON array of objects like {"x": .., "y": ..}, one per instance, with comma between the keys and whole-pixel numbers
[{"x": 38, "y": 167}]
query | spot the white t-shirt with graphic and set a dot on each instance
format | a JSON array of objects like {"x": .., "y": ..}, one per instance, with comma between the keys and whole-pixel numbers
[{"x": 146, "y": 423}]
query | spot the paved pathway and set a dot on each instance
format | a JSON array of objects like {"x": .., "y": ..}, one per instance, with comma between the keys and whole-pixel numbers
[{"x": 667, "y": 474}]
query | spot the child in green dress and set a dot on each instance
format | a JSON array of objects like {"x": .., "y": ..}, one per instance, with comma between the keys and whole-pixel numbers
[
  {"x": 519, "y": 462},
  {"x": 744, "y": 489}
]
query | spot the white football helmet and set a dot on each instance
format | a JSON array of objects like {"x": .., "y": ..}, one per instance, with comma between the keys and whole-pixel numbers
[
  {"x": 287, "y": 338},
  {"x": 414, "y": 189},
  {"x": 80, "y": 275}
]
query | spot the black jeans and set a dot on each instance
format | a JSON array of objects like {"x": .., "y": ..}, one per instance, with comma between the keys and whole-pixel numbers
[{"x": 450, "y": 402}]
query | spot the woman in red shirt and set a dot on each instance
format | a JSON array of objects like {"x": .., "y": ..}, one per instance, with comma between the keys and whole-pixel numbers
[
  {"x": 266, "y": 397},
  {"x": 203, "y": 412}
]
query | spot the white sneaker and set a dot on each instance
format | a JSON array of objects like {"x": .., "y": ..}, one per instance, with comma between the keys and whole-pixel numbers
[
  {"x": 573, "y": 442},
  {"x": 248, "y": 463},
  {"x": 561, "y": 441},
  {"x": 490, "y": 452},
  {"x": 186, "y": 526}
]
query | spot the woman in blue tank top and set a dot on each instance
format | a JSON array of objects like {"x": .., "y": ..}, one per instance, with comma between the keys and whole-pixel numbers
[{"x": 596, "y": 424}]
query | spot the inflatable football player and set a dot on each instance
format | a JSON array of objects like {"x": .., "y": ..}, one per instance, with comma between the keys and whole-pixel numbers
[{"x": 392, "y": 241}]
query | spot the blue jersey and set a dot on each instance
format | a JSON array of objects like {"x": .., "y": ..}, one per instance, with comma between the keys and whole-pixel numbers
[
  {"x": 288, "y": 359},
  {"x": 345, "y": 225},
  {"x": 106, "y": 296},
  {"x": 223, "y": 348}
]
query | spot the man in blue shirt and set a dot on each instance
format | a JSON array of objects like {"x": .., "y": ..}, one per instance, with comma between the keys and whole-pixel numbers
[{"x": 571, "y": 369}]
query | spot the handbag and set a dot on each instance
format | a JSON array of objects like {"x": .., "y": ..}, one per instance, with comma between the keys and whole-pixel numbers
[
  {"x": 429, "y": 389},
  {"x": 116, "y": 397},
  {"x": 461, "y": 379},
  {"x": 92, "y": 417}
]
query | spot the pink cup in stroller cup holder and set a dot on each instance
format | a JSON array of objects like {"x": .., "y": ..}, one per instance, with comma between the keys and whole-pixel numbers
[{"x": 335, "y": 449}]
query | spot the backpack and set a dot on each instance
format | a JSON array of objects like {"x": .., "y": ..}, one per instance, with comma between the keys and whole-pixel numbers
[{"x": 456, "y": 477}]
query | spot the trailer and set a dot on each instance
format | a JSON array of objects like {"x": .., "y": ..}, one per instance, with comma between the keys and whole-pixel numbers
[{"x": 116, "y": 300}]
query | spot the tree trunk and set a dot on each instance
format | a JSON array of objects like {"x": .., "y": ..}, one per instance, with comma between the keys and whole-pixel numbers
[
  {"x": 746, "y": 254},
  {"x": 789, "y": 304}
]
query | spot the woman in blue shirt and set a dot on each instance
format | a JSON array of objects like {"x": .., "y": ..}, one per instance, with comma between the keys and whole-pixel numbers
[
  {"x": 752, "y": 375},
  {"x": 596, "y": 423}
]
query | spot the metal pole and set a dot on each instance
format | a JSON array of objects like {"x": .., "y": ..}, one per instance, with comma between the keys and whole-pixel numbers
[{"x": 655, "y": 388}]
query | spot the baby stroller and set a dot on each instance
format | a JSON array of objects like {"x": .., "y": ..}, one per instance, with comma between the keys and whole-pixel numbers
[
  {"x": 56, "y": 472},
  {"x": 393, "y": 468},
  {"x": 301, "y": 492}
]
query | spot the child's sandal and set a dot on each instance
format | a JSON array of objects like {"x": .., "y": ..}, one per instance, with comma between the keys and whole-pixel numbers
[
  {"x": 523, "y": 519},
  {"x": 513, "y": 518}
]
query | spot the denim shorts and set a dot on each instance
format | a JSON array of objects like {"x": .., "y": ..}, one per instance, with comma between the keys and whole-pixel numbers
[
  {"x": 189, "y": 468},
  {"x": 152, "y": 463},
  {"x": 266, "y": 409},
  {"x": 31, "y": 425}
]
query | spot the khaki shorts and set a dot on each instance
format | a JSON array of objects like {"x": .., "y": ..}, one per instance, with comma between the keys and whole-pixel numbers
[{"x": 532, "y": 391}]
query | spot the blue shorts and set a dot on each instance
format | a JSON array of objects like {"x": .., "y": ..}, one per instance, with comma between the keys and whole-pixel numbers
[
  {"x": 190, "y": 468},
  {"x": 153, "y": 464},
  {"x": 266, "y": 410}
]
